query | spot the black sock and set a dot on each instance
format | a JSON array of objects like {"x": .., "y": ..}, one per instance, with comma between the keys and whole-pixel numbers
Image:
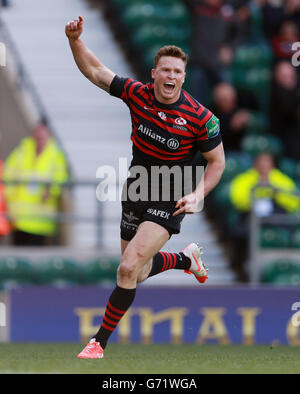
[
  {"x": 164, "y": 261},
  {"x": 119, "y": 302}
]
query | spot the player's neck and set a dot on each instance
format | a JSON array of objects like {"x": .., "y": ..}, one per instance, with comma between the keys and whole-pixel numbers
[{"x": 160, "y": 99}]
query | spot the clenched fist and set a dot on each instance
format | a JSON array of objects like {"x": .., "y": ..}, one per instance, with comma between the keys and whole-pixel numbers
[{"x": 74, "y": 28}]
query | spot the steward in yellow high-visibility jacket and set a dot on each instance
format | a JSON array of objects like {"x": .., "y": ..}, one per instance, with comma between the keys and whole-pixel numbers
[
  {"x": 273, "y": 188},
  {"x": 36, "y": 158},
  {"x": 267, "y": 178}
]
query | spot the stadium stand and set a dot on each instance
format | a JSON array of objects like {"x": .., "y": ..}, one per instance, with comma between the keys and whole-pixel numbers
[
  {"x": 282, "y": 272},
  {"x": 144, "y": 26},
  {"x": 15, "y": 271}
]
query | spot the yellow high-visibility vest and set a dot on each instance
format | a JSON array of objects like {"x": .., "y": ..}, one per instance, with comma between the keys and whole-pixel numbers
[
  {"x": 242, "y": 185},
  {"x": 24, "y": 201}
]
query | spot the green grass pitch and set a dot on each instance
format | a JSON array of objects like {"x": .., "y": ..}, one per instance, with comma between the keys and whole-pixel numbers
[{"x": 150, "y": 359}]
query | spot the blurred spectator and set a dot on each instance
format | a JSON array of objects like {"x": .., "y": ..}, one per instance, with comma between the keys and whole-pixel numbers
[
  {"x": 273, "y": 194},
  {"x": 282, "y": 43},
  {"x": 5, "y": 3},
  {"x": 252, "y": 15},
  {"x": 234, "y": 112},
  {"x": 264, "y": 174},
  {"x": 284, "y": 104},
  {"x": 4, "y": 224},
  {"x": 276, "y": 12},
  {"x": 215, "y": 33},
  {"x": 36, "y": 158}
]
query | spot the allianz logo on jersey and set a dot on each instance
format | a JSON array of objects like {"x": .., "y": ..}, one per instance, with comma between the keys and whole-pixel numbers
[{"x": 172, "y": 143}]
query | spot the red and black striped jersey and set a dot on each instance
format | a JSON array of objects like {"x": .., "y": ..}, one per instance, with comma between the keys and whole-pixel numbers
[{"x": 166, "y": 134}]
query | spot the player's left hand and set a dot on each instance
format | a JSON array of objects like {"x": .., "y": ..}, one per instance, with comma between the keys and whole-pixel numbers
[
  {"x": 188, "y": 204},
  {"x": 74, "y": 28}
]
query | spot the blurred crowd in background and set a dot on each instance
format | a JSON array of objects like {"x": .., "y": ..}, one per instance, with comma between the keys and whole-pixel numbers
[{"x": 233, "y": 39}]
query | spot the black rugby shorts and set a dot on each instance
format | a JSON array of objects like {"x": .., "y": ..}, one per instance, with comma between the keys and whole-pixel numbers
[{"x": 160, "y": 212}]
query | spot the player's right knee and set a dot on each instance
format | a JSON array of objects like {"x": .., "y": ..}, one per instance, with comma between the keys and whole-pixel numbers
[{"x": 127, "y": 270}]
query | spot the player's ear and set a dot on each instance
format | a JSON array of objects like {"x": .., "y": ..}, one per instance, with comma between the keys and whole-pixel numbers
[{"x": 153, "y": 73}]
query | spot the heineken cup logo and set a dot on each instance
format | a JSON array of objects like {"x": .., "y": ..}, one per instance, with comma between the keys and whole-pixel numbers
[{"x": 2, "y": 55}]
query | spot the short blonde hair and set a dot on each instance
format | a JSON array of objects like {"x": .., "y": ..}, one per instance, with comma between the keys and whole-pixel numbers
[{"x": 170, "y": 50}]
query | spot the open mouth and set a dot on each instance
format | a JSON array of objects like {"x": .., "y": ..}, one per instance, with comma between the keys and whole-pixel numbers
[{"x": 169, "y": 86}]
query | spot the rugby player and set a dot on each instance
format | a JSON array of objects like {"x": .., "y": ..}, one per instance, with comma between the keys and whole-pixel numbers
[{"x": 168, "y": 128}]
